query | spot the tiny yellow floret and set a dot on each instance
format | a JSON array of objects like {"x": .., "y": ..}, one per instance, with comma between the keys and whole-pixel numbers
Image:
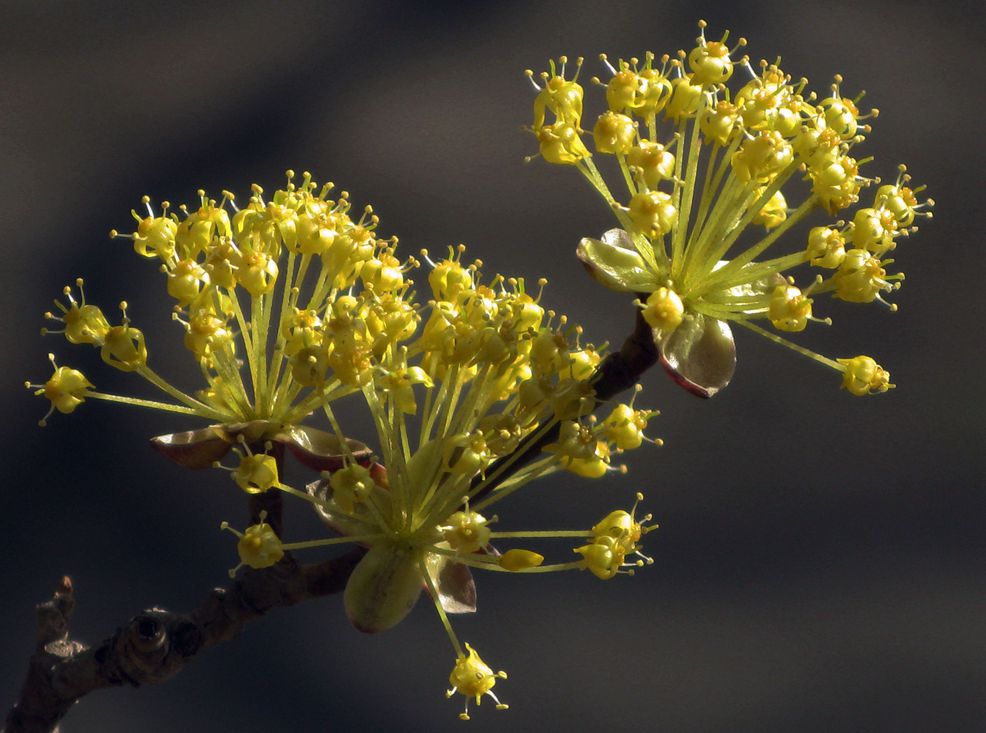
[
  {"x": 762, "y": 158},
  {"x": 466, "y": 531},
  {"x": 664, "y": 310},
  {"x": 561, "y": 144},
  {"x": 624, "y": 426},
  {"x": 614, "y": 133},
  {"x": 350, "y": 485},
  {"x": 65, "y": 390},
  {"x": 653, "y": 212},
  {"x": 789, "y": 309},
  {"x": 594, "y": 464},
  {"x": 603, "y": 557},
  {"x": 773, "y": 213},
  {"x": 84, "y": 323},
  {"x": 256, "y": 473},
  {"x": 473, "y": 678},
  {"x": 124, "y": 349},
  {"x": 259, "y": 547},
  {"x": 709, "y": 60},
  {"x": 826, "y": 247},
  {"x": 619, "y": 532},
  {"x": 863, "y": 376},
  {"x": 652, "y": 162}
]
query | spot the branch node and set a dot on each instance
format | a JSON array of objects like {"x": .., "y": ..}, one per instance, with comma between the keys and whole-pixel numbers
[{"x": 54, "y": 615}]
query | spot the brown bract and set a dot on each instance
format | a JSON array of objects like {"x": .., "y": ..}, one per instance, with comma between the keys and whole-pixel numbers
[
  {"x": 314, "y": 448},
  {"x": 700, "y": 355}
]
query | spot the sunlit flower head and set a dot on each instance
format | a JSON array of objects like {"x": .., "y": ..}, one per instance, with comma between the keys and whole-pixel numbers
[
  {"x": 717, "y": 177},
  {"x": 284, "y": 304},
  {"x": 488, "y": 392}
]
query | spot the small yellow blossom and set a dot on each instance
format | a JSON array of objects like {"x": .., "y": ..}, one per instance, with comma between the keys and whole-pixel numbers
[
  {"x": 650, "y": 162},
  {"x": 560, "y": 96},
  {"x": 581, "y": 450},
  {"x": 861, "y": 278},
  {"x": 84, "y": 323},
  {"x": 259, "y": 547},
  {"x": 789, "y": 308},
  {"x": 561, "y": 144},
  {"x": 256, "y": 473},
  {"x": 614, "y": 133},
  {"x": 466, "y": 531},
  {"x": 826, "y": 247},
  {"x": 613, "y": 538},
  {"x": 773, "y": 213},
  {"x": 350, "y": 485},
  {"x": 863, "y": 376},
  {"x": 625, "y": 425},
  {"x": 664, "y": 310},
  {"x": 603, "y": 557},
  {"x": 123, "y": 346},
  {"x": 710, "y": 62},
  {"x": 65, "y": 390},
  {"x": 473, "y": 678}
]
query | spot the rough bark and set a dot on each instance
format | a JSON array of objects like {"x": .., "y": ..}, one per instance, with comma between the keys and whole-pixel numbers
[{"x": 156, "y": 644}]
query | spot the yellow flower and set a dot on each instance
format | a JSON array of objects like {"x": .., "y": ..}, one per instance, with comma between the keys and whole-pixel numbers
[
  {"x": 721, "y": 161},
  {"x": 560, "y": 96},
  {"x": 625, "y": 425},
  {"x": 66, "y": 390},
  {"x": 256, "y": 473},
  {"x": 258, "y": 546},
  {"x": 613, "y": 538},
  {"x": 614, "y": 133},
  {"x": 473, "y": 678},
  {"x": 84, "y": 323},
  {"x": 863, "y": 376}
]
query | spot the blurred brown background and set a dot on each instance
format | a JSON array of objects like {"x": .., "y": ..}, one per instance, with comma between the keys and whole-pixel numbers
[{"x": 820, "y": 563}]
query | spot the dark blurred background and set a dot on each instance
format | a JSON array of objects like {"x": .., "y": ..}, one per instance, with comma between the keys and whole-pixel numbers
[{"x": 820, "y": 563}]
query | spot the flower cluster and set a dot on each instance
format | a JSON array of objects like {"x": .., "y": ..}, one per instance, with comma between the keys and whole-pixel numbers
[
  {"x": 719, "y": 163},
  {"x": 460, "y": 411},
  {"x": 298, "y": 287},
  {"x": 291, "y": 303}
]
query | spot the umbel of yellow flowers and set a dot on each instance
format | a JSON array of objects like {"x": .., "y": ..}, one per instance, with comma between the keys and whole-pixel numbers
[
  {"x": 290, "y": 304},
  {"x": 716, "y": 180},
  {"x": 294, "y": 288}
]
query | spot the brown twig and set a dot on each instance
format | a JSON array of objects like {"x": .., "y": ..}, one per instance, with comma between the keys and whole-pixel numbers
[
  {"x": 155, "y": 644},
  {"x": 622, "y": 369}
]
